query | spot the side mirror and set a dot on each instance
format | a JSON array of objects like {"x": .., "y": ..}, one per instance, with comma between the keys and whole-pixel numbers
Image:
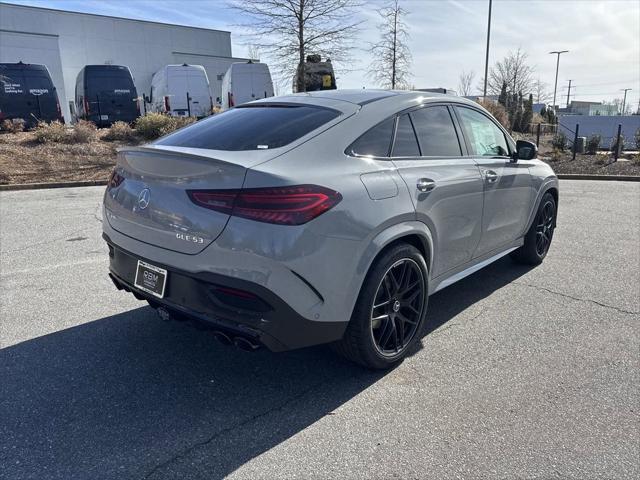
[{"x": 525, "y": 150}]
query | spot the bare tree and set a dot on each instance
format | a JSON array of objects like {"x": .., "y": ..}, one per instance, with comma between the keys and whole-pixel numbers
[
  {"x": 515, "y": 71},
  {"x": 464, "y": 83},
  {"x": 287, "y": 30},
  {"x": 391, "y": 55},
  {"x": 540, "y": 92},
  {"x": 253, "y": 52}
]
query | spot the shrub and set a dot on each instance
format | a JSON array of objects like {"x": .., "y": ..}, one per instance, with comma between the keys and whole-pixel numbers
[
  {"x": 14, "y": 125},
  {"x": 556, "y": 155},
  {"x": 498, "y": 111},
  {"x": 559, "y": 141},
  {"x": 120, "y": 131},
  {"x": 53, "y": 132},
  {"x": 84, "y": 132},
  {"x": 178, "y": 122},
  {"x": 151, "y": 125},
  {"x": 593, "y": 143},
  {"x": 154, "y": 125},
  {"x": 615, "y": 146},
  {"x": 537, "y": 118}
]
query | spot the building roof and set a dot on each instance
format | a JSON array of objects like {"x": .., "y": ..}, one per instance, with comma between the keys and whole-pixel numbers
[{"x": 56, "y": 10}]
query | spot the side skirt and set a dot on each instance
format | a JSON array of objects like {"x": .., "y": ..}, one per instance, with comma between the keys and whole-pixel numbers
[{"x": 473, "y": 268}]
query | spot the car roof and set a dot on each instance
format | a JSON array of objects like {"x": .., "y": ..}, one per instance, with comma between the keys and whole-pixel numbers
[{"x": 383, "y": 101}]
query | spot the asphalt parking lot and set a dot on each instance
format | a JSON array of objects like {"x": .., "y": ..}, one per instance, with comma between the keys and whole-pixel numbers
[{"x": 525, "y": 373}]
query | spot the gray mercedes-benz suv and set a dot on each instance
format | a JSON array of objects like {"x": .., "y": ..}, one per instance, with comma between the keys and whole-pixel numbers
[{"x": 326, "y": 217}]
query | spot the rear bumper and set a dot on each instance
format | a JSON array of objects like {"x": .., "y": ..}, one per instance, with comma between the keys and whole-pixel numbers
[{"x": 269, "y": 320}]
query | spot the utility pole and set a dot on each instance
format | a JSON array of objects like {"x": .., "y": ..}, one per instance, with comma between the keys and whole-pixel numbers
[
  {"x": 568, "y": 93},
  {"x": 486, "y": 59},
  {"x": 555, "y": 87},
  {"x": 624, "y": 101}
]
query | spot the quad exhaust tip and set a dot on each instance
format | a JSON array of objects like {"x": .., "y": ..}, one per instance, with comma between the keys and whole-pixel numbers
[
  {"x": 239, "y": 342},
  {"x": 222, "y": 337},
  {"x": 245, "y": 344}
]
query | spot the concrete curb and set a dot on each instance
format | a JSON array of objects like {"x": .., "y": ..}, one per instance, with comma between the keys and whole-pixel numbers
[
  {"x": 617, "y": 178},
  {"x": 37, "y": 186},
  {"x": 94, "y": 183}
]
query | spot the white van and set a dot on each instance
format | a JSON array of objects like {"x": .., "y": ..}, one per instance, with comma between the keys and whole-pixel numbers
[
  {"x": 181, "y": 90},
  {"x": 245, "y": 82}
]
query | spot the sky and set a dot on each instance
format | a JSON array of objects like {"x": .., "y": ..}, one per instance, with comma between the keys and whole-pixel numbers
[{"x": 449, "y": 36}]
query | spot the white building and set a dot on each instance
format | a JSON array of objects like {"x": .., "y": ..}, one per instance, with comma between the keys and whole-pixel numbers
[{"x": 66, "y": 41}]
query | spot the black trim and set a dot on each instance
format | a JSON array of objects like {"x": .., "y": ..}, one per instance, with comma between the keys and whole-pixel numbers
[{"x": 279, "y": 328}]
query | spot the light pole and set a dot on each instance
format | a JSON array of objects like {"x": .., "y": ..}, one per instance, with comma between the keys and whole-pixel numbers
[
  {"x": 486, "y": 58},
  {"x": 624, "y": 101},
  {"x": 555, "y": 87}
]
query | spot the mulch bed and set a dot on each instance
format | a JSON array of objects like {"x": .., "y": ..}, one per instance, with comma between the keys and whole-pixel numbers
[
  {"x": 23, "y": 160},
  {"x": 601, "y": 164}
]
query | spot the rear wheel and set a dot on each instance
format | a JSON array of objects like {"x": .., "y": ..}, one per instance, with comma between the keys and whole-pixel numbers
[
  {"x": 390, "y": 310},
  {"x": 538, "y": 239}
]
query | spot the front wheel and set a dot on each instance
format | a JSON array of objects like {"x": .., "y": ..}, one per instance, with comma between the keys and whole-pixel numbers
[
  {"x": 538, "y": 239},
  {"x": 390, "y": 310}
]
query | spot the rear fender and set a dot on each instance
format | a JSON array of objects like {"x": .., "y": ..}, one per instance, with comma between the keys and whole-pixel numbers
[{"x": 390, "y": 235}]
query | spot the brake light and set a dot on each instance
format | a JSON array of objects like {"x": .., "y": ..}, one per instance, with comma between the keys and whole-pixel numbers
[
  {"x": 167, "y": 107},
  {"x": 86, "y": 106},
  {"x": 231, "y": 102},
  {"x": 114, "y": 180},
  {"x": 292, "y": 205}
]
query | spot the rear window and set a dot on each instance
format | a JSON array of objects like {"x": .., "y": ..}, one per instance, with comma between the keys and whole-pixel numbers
[
  {"x": 25, "y": 81},
  {"x": 109, "y": 81},
  {"x": 252, "y": 128}
]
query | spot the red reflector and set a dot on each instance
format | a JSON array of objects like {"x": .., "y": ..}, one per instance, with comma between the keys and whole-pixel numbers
[
  {"x": 114, "y": 180},
  {"x": 292, "y": 205},
  {"x": 235, "y": 292}
]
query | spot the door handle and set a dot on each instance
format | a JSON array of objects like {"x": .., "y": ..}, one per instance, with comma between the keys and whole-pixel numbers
[
  {"x": 425, "y": 185},
  {"x": 491, "y": 176}
]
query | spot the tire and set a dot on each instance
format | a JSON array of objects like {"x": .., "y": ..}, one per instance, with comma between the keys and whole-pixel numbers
[
  {"x": 386, "y": 315},
  {"x": 537, "y": 240}
]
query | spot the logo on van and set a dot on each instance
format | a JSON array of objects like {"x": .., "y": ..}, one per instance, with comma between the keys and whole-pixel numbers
[
  {"x": 143, "y": 198},
  {"x": 38, "y": 91},
  {"x": 121, "y": 90}
]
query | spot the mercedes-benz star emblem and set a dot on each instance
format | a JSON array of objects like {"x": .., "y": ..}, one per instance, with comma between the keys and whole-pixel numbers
[{"x": 143, "y": 198}]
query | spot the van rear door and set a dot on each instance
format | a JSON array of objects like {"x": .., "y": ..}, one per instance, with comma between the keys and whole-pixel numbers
[
  {"x": 111, "y": 96},
  {"x": 27, "y": 92}
]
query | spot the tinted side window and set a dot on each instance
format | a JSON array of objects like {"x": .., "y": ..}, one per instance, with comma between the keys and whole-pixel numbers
[
  {"x": 406, "y": 144},
  {"x": 376, "y": 142},
  {"x": 251, "y": 128},
  {"x": 484, "y": 136},
  {"x": 436, "y": 132}
]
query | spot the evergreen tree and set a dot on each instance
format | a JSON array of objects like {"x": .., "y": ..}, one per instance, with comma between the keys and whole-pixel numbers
[
  {"x": 502, "y": 99},
  {"x": 527, "y": 114}
]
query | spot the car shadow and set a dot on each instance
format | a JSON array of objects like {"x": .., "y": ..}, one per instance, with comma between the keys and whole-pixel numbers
[{"x": 131, "y": 396}]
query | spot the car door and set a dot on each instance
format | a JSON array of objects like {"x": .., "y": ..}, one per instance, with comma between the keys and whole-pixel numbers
[
  {"x": 508, "y": 189},
  {"x": 446, "y": 186}
]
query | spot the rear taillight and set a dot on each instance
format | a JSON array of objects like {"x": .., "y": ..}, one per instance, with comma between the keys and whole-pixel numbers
[
  {"x": 167, "y": 106},
  {"x": 86, "y": 106},
  {"x": 114, "y": 180},
  {"x": 292, "y": 205},
  {"x": 231, "y": 102}
]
